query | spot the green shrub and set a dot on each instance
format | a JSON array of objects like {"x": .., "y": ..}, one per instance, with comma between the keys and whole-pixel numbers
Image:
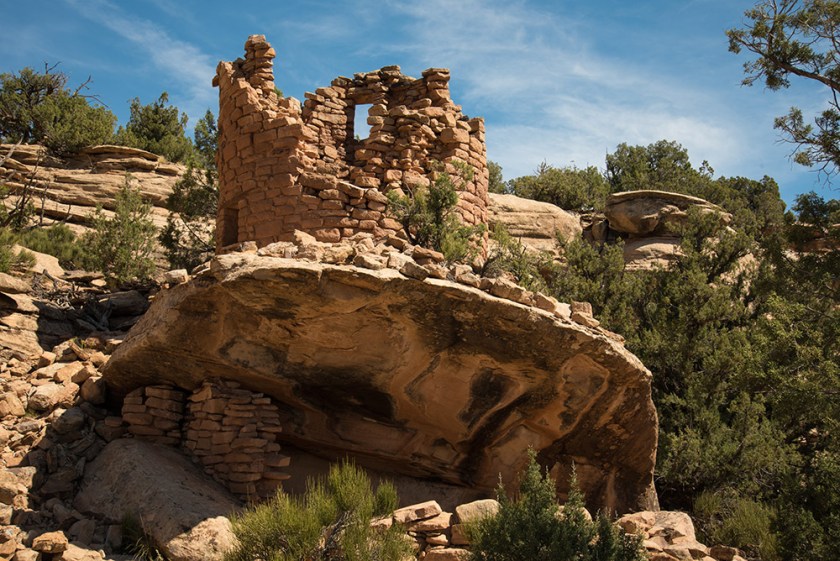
[
  {"x": 332, "y": 521},
  {"x": 496, "y": 182},
  {"x": 8, "y": 259},
  {"x": 122, "y": 246},
  {"x": 60, "y": 242},
  {"x": 430, "y": 219},
  {"x": 157, "y": 127},
  {"x": 508, "y": 254},
  {"x": 569, "y": 188},
  {"x": 727, "y": 518},
  {"x": 189, "y": 235},
  {"x": 36, "y": 107},
  {"x": 532, "y": 528}
]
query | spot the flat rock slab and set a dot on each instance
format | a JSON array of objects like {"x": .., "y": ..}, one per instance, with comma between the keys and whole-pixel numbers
[
  {"x": 183, "y": 510},
  {"x": 425, "y": 378}
]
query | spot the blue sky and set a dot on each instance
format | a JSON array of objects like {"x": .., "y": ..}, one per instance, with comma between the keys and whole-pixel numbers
[{"x": 558, "y": 81}]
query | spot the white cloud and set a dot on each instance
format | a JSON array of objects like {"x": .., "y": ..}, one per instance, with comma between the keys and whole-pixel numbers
[
  {"x": 547, "y": 95},
  {"x": 183, "y": 64}
]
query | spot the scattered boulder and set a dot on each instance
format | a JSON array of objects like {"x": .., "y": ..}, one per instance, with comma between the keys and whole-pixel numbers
[
  {"x": 470, "y": 512},
  {"x": 10, "y": 404},
  {"x": 76, "y": 553},
  {"x": 416, "y": 512},
  {"x": 648, "y": 253},
  {"x": 50, "y": 542},
  {"x": 43, "y": 263},
  {"x": 46, "y": 396},
  {"x": 183, "y": 510}
]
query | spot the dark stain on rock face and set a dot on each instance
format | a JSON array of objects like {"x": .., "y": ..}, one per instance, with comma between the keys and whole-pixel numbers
[
  {"x": 484, "y": 436},
  {"x": 345, "y": 393},
  {"x": 280, "y": 310},
  {"x": 486, "y": 390},
  {"x": 489, "y": 430}
]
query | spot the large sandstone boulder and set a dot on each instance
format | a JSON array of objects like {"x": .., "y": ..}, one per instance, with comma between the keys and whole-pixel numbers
[
  {"x": 654, "y": 213},
  {"x": 536, "y": 224},
  {"x": 424, "y": 378},
  {"x": 182, "y": 510}
]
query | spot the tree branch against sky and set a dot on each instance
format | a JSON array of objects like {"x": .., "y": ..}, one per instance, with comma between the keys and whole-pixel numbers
[{"x": 799, "y": 38}]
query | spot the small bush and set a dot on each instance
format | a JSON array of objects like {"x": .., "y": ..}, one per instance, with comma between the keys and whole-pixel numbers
[
  {"x": 737, "y": 521},
  {"x": 60, "y": 242},
  {"x": 332, "y": 521},
  {"x": 532, "y": 527},
  {"x": 430, "y": 220},
  {"x": 122, "y": 246},
  {"x": 8, "y": 259},
  {"x": 508, "y": 254}
]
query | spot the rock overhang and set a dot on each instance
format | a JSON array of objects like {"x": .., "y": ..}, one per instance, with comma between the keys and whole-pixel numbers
[{"x": 427, "y": 378}]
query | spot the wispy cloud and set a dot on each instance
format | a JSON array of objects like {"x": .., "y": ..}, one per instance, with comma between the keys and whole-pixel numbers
[
  {"x": 183, "y": 64},
  {"x": 551, "y": 96}
]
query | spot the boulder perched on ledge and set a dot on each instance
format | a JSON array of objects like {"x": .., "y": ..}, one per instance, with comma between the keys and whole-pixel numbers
[
  {"x": 655, "y": 213},
  {"x": 427, "y": 378}
]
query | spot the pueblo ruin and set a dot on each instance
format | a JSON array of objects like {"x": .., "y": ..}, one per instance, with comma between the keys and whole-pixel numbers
[
  {"x": 319, "y": 328},
  {"x": 285, "y": 167}
]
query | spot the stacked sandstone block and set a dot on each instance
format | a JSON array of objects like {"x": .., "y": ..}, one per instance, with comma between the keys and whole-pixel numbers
[
  {"x": 233, "y": 434},
  {"x": 439, "y": 535},
  {"x": 284, "y": 167},
  {"x": 155, "y": 413}
]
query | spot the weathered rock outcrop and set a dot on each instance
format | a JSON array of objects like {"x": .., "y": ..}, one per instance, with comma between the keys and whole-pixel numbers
[
  {"x": 72, "y": 187},
  {"x": 649, "y": 222},
  {"x": 536, "y": 224},
  {"x": 428, "y": 378},
  {"x": 648, "y": 213},
  {"x": 183, "y": 512}
]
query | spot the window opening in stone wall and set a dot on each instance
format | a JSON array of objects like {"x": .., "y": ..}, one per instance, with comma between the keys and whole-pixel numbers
[
  {"x": 230, "y": 226},
  {"x": 361, "y": 128}
]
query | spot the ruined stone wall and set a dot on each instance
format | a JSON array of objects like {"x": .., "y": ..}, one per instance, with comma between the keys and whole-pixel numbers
[
  {"x": 230, "y": 431},
  {"x": 286, "y": 167}
]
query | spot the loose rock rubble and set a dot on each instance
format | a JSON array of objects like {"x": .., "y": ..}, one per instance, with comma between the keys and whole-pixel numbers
[
  {"x": 52, "y": 416},
  {"x": 669, "y": 536},
  {"x": 442, "y": 536},
  {"x": 417, "y": 263},
  {"x": 49, "y": 432}
]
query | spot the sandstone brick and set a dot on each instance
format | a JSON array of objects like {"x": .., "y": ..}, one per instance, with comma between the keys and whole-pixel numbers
[{"x": 420, "y": 511}]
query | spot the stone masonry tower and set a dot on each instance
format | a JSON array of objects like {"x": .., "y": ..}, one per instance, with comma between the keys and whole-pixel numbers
[{"x": 283, "y": 167}]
